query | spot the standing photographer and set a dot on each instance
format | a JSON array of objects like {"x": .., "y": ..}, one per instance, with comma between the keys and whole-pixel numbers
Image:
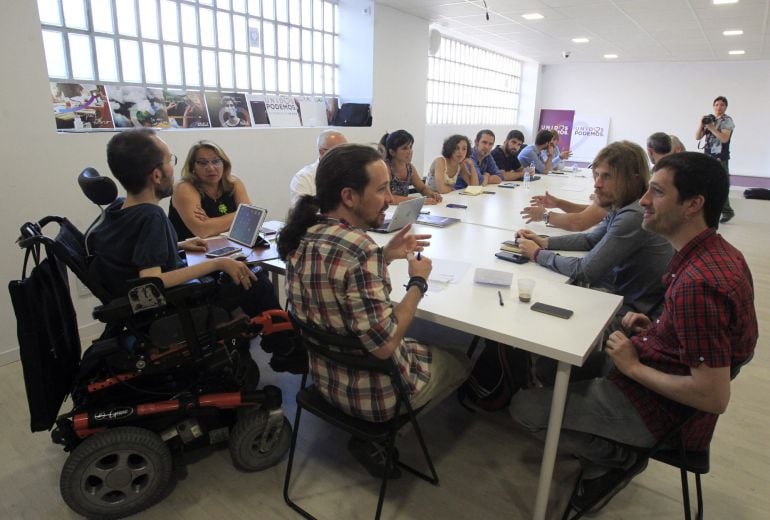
[{"x": 718, "y": 129}]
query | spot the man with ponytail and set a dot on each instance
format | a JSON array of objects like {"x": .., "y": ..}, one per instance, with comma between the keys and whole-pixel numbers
[{"x": 337, "y": 279}]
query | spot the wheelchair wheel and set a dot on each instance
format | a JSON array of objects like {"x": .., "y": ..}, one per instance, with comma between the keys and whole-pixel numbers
[
  {"x": 116, "y": 473},
  {"x": 249, "y": 451}
]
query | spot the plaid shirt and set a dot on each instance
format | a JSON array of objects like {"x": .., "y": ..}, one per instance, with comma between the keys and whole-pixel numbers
[
  {"x": 708, "y": 317},
  {"x": 338, "y": 279}
]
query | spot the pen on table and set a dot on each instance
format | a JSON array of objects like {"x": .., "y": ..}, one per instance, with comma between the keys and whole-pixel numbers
[{"x": 500, "y": 296}]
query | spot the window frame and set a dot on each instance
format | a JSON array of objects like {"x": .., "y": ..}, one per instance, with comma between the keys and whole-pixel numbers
[
  {"x": 239, "y": 80},
  {"x": 458, "y": 87}
]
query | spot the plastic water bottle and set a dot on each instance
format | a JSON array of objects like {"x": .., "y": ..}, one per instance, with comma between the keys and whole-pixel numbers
[{"x": 528, "y": 175}]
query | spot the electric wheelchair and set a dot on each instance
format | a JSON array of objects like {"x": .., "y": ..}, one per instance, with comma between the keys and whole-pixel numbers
[{"x": 171, "y": 371}]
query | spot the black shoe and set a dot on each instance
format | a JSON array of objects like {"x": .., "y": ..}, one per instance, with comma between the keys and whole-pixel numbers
[
  {"x": 592, "y": 495},
  {"x": 373, "y": 456},
  {"x": 727, "y": 217}
]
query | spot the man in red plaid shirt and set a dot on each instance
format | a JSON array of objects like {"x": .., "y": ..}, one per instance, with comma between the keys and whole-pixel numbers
[{"x": 683, "y": 360}]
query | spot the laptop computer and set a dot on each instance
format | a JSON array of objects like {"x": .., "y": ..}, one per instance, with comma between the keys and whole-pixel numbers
[
  {"x": 246, "y": 225},
  {"x": 436, "y": 221},
  {"x": 406, "y": 213}
]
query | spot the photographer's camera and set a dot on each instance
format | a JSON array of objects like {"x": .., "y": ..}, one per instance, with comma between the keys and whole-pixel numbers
[{"x": 708, "y": 119}]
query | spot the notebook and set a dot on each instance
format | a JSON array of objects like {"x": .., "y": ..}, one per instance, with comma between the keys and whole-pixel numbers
[
  {"x": 510, "y": 246},
  {"x": 436, "y": 221},
  {"x": 473, "y": 190},
  {"x": 406, "y": 213},
  {"x": 246, "y": 225}
]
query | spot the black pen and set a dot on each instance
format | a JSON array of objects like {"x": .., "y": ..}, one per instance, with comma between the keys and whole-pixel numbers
[
  {"x": 418, "y": 255},
  {"x": 500, "y": 296}
]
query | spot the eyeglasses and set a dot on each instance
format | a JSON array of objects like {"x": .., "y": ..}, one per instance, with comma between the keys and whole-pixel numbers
[{"x": 203, "y": 162}]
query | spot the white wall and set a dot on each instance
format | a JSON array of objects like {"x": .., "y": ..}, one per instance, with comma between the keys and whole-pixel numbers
[
  {"x": 642, "y": 98},
  {"x": 355, "y": 51},
  {"x": 400, "y": 75},
  {"x": 40, "y": 165}
]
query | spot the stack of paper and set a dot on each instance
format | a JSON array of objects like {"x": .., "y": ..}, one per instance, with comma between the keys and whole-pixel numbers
[{"x": 492, "y": 277}]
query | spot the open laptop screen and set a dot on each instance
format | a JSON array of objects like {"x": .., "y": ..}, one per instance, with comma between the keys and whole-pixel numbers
[{"x": 246, "y": 224}]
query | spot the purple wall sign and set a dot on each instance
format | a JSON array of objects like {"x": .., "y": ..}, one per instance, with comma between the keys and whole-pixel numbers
[{"x": 559, "y": 120}]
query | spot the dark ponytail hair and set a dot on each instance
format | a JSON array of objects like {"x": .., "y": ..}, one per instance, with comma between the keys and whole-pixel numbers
[
  {"x": 303, "y": 215},
  {"x": 343, "y": 166},
  {"x": 395, "y": 140}
]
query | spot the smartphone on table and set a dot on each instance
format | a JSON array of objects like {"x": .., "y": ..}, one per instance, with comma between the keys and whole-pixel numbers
[
  {"x": 516, "y": 258},
  {"x": 223, "y": 251}
]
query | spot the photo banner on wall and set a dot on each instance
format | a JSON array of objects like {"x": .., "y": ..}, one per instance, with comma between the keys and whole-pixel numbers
[
  {"x": 561, "y": 122},
  {"x": 583, "y": 134},
  {"x": 80, "y": 106},
  {"x": 589, "y": 136}
]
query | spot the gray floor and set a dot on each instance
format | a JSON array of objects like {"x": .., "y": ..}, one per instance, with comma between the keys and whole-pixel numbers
[{"x": 487, "y": 469}]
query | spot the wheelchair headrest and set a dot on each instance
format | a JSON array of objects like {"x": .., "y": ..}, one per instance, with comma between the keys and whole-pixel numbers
[{"x": 99, "y": 190}]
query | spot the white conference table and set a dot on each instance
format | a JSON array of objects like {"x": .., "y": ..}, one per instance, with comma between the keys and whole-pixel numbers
[
  {"x": 502, "y": 207},
  {"x": 474, "y": 308}
]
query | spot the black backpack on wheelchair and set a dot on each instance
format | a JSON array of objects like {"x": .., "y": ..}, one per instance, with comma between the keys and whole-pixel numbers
[{"x": 171, "y": 371}]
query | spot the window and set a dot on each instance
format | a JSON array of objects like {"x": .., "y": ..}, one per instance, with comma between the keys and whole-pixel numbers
[
  {"x": 469, "y": 85},
  {"x": 254, "y": 46}
]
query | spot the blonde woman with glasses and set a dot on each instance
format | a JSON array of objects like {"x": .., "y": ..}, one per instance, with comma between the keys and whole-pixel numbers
[{"x": 205, "y": 200}]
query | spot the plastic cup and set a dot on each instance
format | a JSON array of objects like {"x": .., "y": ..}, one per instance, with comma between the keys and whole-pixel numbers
[{"x": 526, "y": 288}]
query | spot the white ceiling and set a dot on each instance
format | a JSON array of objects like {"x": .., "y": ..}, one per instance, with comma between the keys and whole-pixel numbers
[{"x": 635, "y": 30}]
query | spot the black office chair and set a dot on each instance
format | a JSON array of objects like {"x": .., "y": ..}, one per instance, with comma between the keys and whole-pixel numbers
[
  {"x": 348, "y": 351},
  {"x": 670, "y": 450},
  {"x": 696, "y": 462}
]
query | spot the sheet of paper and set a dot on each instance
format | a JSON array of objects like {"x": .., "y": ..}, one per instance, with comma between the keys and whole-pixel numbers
[{"x": 445, "y": 272}]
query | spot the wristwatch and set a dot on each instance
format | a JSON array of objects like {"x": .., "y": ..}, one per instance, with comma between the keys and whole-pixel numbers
[
  {"x": 419, "y": 282},
  {"x": 546, "y": 216}
]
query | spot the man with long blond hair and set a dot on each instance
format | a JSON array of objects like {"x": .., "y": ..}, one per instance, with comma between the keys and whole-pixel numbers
[{"x": 622, "y": 257}]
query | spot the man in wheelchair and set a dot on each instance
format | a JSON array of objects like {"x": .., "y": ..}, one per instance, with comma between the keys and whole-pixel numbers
[
  {"x": 136, "y": 238},
  {"x": 172, "y": 370}
]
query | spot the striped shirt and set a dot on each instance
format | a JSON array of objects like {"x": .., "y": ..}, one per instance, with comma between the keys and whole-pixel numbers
[
  {"x": 337, "y": 279},
  {"x": 708, "y": 317}
]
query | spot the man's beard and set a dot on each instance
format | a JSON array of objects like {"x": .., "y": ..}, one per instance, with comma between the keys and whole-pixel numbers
[
  {"x": 603, "y": 202},
  {"x": 161, "y": 192},
  {"x": 375, "y": 222}
]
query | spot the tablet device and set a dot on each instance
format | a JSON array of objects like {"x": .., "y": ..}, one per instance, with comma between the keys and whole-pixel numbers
[
  {"x": 246, "y": 224},
  {"x": 406, "y": 213},
  {"x": 436, "y": 221}
]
